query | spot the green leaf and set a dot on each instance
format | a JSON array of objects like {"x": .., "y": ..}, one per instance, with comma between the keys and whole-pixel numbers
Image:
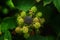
[
  {"x": 7, "y": 36},
  {"x": 8, "y": 23},
  {"x": 4, "y": 27},
  {"x": 39, "y": 37},
  {"x": 10, "y": 3},
  {"x": 46, "y": 2},
  {"x": 57, "y": 4},
  {"x": 11, "y": 21},
  {"x": 24, "y": 4}
]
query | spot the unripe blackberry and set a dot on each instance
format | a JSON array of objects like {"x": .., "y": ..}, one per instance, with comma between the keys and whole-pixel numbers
[
  {"x": 18, "y": 30},
  {"x": 23, "y": 14},
  {"x": 34, "y": 9},
  {"x": 39, "y": 14},
  {"x": 35, "y": 20},
  {"x": 25, "y": 29},
  {"x": 20, "y": 20},
  {"x": 37, "y": 25}
]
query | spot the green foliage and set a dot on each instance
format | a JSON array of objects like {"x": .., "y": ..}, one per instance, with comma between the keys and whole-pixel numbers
[
  {"x": 55, "y": 2},
  {"x": 46, "y": 2},
  {"x": 10, "y": 22},
  {"x": 55, "y": 21},
  {"x": 5, "y": 11},
  {"x": 10, "y": 3},
  {"x": 37, "y": 37},
  {"x": 7, "y": 23},
  {"x": 7, "y": 36},
  {"x": 23, "y": 5}
]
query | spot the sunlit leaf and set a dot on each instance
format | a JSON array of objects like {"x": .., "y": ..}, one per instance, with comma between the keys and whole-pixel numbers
[
  {"x": 10, "y": 3},
  {"x": 24, "y": 5},
  {"x": 57, "y": 4},
  {"x": 8, "y": 23},
  {"x": 45, "y": 2},
  {"x": 7, "y": 36}
]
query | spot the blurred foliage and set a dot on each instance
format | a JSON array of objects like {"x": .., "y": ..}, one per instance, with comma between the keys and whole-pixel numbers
[
  {"x": 41, "y": 38},
  {"x": 49, "y": 8},
  {"x": 23, "y": 5},
  {"x": 55, "y": 2}
]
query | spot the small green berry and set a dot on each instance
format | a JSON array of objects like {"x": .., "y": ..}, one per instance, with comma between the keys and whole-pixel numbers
[
  {"x": 25, "y": 29},
  {"x": 23, "y": 14},
  {"x": 42, "y": 20},
  {"x": 39, "y": 14},
  {"x": 20, "y": 20},
  {"x": 34, "y": 9},
  {"x": 26, "y": 35},
  {"x": 35, "y": 19},
  {"x": 5, "y": 11},
  {"x": 17, "y": 29},
  {"x": 37, "y": 25}
]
